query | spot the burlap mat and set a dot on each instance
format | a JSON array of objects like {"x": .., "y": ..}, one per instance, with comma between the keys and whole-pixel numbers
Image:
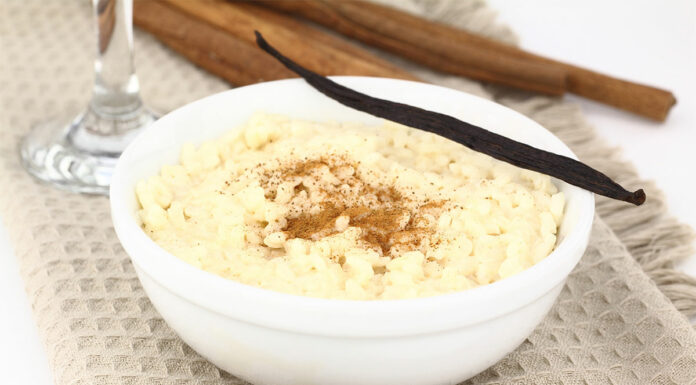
[{"x": 611, "y": 324}]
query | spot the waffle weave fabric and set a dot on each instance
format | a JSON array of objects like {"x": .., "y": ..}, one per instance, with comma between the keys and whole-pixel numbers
[{"x": 610, "y": 325}]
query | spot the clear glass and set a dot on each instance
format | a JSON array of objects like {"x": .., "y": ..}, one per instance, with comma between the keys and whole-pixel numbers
[{"x": 79, "y": 154}]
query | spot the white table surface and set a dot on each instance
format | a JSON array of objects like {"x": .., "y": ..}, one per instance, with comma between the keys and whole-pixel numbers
[{"x": 645, "y": 41}]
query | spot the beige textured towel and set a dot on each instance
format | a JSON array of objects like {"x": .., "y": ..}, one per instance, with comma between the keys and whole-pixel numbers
[{"x": 611, "y": 324}]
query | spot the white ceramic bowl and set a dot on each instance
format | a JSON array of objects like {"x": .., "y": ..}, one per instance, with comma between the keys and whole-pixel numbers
[{"x": 268, "y": 337}]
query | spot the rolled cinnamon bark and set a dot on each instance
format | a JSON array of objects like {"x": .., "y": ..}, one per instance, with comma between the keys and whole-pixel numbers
[
  {"x": 324, "y": 54},
  {"x": 456, "y": 51},
  {"x": 366, "y": 22},
  {"x": 198, "y": 37},
  {"x": 216, "y": 51},
  {"x": 316, "y": 36}
]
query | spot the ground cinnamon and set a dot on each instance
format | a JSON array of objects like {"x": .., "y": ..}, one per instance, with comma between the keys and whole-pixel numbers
[
  {"x": 389, "y": 222},
  {"x": 306, "y": 226},
  {"x": 382, "y": 228}
]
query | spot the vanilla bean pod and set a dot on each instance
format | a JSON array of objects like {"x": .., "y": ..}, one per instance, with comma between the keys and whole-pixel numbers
[{"x": 469, "y": 135}]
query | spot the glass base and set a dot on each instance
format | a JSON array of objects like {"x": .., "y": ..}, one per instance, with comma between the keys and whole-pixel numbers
[{"x": 80, "y": 156}]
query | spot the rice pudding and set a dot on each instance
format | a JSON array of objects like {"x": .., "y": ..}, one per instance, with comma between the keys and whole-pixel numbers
[{"x": 348, "y": 211}]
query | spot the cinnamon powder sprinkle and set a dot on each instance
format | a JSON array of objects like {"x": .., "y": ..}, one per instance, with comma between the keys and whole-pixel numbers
[
  {"x": 381, "y": 228},
  {"x": 390, "y": 219}
]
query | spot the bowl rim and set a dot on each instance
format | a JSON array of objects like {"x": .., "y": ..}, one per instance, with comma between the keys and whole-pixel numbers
[{"x": 321, "y": 316}]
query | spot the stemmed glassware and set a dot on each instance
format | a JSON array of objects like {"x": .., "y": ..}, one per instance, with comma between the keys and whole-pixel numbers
[{"x": 80, "y": 155}]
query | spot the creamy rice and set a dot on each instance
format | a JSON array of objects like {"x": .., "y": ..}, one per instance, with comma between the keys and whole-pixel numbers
[{"x": 349, "y": 211}]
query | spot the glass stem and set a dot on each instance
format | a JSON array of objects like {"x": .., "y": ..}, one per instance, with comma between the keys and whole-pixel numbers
[
  {"x": 80, "y": 156},
  {"x": 116, "y": 112},
  {"x": 116, "y": 88}
]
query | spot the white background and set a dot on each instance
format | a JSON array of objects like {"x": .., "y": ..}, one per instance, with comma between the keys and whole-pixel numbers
[{"x": 647, "y": 41}]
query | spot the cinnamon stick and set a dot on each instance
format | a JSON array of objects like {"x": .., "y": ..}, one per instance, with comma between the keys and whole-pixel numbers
[
  {"x": 216, "y": 51},
  {"x": 316, "y": 36},
  {"x": 650, "y": 102},
  {"x": 324, "y": 55},
  {"x": 449, "y": 49},
  {"x": 239, "y": 60},
  {"x": 349, "y": 19}
]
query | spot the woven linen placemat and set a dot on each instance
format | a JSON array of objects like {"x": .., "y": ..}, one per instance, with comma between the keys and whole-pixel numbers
[{"x": 611, "y": 324}]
